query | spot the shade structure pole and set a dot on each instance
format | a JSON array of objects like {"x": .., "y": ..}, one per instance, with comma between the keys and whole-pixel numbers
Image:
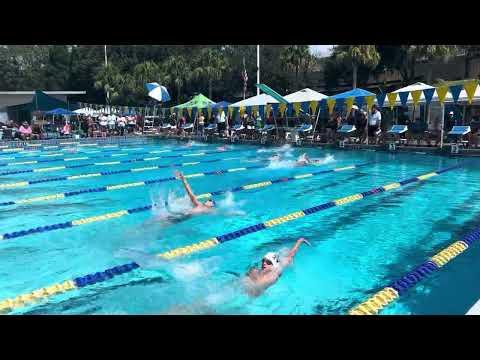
[
  {"x": 276, "y": 127},
  {"x": 316, "y": 122},
  {"x": 368, "y": 122},
  {"x": 442, "y": 125}
]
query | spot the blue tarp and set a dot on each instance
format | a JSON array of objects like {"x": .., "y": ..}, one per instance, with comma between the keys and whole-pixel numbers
[
  {"x": 221, "y": 104},
  {"x": 60, "y": 111},
  {"x": 354, "y": 92}
]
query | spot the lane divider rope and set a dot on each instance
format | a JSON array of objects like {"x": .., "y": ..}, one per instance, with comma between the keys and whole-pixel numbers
[
  {"x": 78, "y": 158},
  {"x": 111, "y": 149},
  {"x": 393, "y": 291},
  {"x": 113, "y": 187},
  {"x": 23, "y": 300},
  {"x": 27, "y": 147},
  {"x": 147, "y": 207},
  {"x": 63, "y": 167},
  {"x": 103, "y": 173}
]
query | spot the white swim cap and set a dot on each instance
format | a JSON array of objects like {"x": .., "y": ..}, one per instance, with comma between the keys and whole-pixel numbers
[{"x": 273, "y": 258}]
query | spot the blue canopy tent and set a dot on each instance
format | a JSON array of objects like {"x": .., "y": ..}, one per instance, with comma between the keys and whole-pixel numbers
[
  {"x": 220, "y": 105},
  {"x": 60, "y": 111},
  {"x": 356, "y": 93},
  {"x": 40, "y": 102},
  {"x": 359, "y": 96}
]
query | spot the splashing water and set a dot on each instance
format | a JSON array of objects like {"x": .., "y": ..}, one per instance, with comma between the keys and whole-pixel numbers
[
  {"x": 164, "y": 206},
  {"x": 325, "y": 160},
  {"x": 229, "y": 206},
  {"x": 194, "y": 143},
  {"x": 278, "y": 163},
  {"x": 193, "y": 270}
]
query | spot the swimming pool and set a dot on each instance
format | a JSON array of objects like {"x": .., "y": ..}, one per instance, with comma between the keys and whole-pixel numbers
[{"x": 358, "y": 248}]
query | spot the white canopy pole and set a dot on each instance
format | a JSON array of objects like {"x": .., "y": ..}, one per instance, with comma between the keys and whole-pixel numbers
[
  {"x": 316, "y": 121},
  {"x": 368, "y": 122},
  {"x": 441, "y": 129}
]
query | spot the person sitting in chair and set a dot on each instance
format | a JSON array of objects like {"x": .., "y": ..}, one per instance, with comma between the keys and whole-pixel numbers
[{"x": 25, "y": 131}]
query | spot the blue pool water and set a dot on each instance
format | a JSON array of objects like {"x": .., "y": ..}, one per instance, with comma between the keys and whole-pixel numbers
[{"x": 356, "y": 249}]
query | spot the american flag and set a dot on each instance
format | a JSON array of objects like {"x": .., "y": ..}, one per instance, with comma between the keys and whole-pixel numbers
[{"x": 245, "y": 79}]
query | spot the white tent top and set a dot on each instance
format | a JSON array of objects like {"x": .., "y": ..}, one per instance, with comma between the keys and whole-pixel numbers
[
  {"x": 421, "y": 86},
  {"x": 413, "y": 87},
  {"x": 305, "y": 95},
  {"x": 86, "y": 111},
  {"x": 462, "y": 97},
  {"x": 409, "y": 88},
  {"x": 258, "y": 100}
]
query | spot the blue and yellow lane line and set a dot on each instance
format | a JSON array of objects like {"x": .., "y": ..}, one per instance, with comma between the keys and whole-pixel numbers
[
  {"x": 113, "y": 187},
  {"x": 148, "y": 207},
  {"x": 81, "y": 157},
  {"x": 9, "y": 305},
  {"x": 18, "y": 184},
  {"x": 109, "y": 149},
  {"x": 393, "y": 291},
  {"x": 109, "y": 163},
  {"x": 20, "y": 148},
  {"x": 124, "y": 186}
]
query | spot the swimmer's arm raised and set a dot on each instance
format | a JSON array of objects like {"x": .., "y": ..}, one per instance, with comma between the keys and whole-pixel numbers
[
  {"x": 189, "y": 191},
  {"x": 289, "y": 258}
]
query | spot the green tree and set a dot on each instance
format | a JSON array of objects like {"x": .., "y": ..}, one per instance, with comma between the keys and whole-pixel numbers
[
  {"x": 57, "y": 71},
  {"x": 404, "y": 58},
  {"x": 10, "y": 71},
  {"x": 295, "y": 57},
  {"x": 177, "y": 73},
  {"x": 134, "y": 84},
  {"x": 356, "y": 56},
  {"x": 109, "y": 80},
  {"x": 210, "y": 65}
]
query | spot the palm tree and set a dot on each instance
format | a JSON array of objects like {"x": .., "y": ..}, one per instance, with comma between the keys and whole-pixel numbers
[
  {"x": 294, "y": 57},
  {"x": 109, "y": 79},
  {"x": 143, "y": 73},
  {"x": 357, "y": 55},
  {"x": 211, "y": 64},
  {"x": 147, "y": 71},
  {"x": 177, "y": 72}
]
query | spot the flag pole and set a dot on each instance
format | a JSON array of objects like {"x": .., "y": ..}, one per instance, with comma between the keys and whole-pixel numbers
[
  {"x": 108, "y": 91},
  {"x": 258, "y": 68},
  {"x": 244, "y": 79}
]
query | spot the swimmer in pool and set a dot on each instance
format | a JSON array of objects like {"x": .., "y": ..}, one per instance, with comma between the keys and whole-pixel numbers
[
  {"x": 198, "y": 207},
  {"x": 222, "y": 148},
  {"x": 275, "y": 157},
  {"x": 257, "y": 281},
  {"x": 303, "y": 160}
]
